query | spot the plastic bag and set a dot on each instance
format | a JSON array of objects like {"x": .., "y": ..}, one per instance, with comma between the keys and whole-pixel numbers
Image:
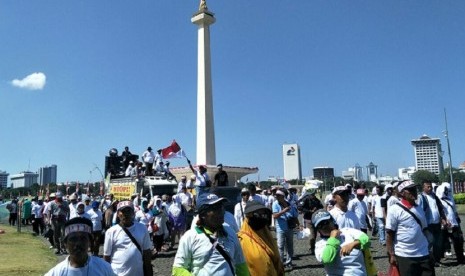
[
  {"x": 303, "y": 234},
  {"x": 393, "y": 271}
]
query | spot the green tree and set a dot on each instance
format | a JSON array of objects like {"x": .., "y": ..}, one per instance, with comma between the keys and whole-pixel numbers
[
  {"x": 458, "y": 175},
  {"x": 421, "y": 175}
]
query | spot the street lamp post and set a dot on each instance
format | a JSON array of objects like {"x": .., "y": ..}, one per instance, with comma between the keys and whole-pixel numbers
[{"x": 446, "y": 134}]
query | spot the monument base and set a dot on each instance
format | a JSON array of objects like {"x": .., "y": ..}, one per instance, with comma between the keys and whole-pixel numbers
[{"x": 234, "y": 173}]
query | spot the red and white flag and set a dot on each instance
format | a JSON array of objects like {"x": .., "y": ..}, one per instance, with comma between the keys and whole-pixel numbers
[{"x": 173, "y": 151}]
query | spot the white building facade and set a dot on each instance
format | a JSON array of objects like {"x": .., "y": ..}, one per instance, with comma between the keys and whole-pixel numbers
[
  {"x": 291, "y": 161},
  {"x": 428, "y": 154},
  {"x": 24, "y": 179}
]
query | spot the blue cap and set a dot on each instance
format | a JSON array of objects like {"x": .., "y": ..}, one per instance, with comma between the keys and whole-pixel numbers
[
  {"x": 319, "y": 216},
  {"x": 206, "y": 200}
]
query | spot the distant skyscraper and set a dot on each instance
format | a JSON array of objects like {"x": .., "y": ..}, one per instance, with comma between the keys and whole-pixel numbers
[
  {"x": 3, "y": 179},
  {"x": 291, "y": 158},
  {"x": 428, "y": 154},
  {"x": 48, "y": 175},
  {"x": 24, "y": 179},
  {"x": 355, "y": 173},
  {"x": 372, "y": 172}
]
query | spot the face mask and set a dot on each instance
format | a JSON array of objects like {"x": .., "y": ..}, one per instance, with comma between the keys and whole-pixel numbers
[{"x": 258, "y": 223}]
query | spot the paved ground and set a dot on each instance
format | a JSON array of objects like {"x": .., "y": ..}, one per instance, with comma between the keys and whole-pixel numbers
[{"x": 306, "y": 264}]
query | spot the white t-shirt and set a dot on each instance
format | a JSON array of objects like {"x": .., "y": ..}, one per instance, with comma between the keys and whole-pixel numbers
[
  {"x": 409, "y": 239},
  {"x": 96, "y": 218},
  {"x": 239, "y": 214},
  {"x": 352, "y": 264},
  {"x": 126, "y": 259},
  {"x": 196, "y": 252},
  {"x": 377, "y": 206},
  {"x": 201, "y": 179},
  {"x": 345, "y": 219},
  {"x": 36, "y": 210},
  {"x": 96, "y": 266},
  {"x": 185, "y": 199},
  {"x": 361, "y": 211},
  {"x": 392, "y": 200}
]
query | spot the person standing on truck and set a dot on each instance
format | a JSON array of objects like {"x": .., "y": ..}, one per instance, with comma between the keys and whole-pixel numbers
[
  {"x": 149, "y": 158},
  {"x": 127, "y": 156},
  {"x": 221, "y": 177},
  {"x": 202, "y": 180}
]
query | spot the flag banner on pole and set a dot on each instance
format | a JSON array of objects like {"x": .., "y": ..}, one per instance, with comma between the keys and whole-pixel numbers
[
  {"x": 77, "y": 188},
  {"x": 101, "y": 188},
  {"x": 173, "y": 151}
]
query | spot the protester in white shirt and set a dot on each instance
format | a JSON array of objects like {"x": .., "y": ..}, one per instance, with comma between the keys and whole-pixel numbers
[
  {"x": 339, "y": 250},
  {"x": 343, "y": 217},
  {"x": 77, "y": 240},
  {"x": 197, "y": 253},
  {"x": 359, "y": 207},
  {"x": 121, "y": 252},
  {"x": 406, "y": 244},
  {"x": 379, "y": 214},
  {"x": 130, "y": 170},
  {"x": 239, "y": 214},
  {"x": 96, "y": 217},
  {"x": 452, "y": 229},
  {"x": 149, "y": 158}
]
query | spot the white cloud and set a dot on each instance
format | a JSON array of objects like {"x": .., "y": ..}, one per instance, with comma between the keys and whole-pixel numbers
[{"x": 35, "y": 81}]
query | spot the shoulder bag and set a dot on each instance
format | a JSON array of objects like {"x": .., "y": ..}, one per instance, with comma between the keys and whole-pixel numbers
[
  {"x": 138, "y": 248},
  {"x": 429, "y": 237},
  {"x": 220, "y": 249}
]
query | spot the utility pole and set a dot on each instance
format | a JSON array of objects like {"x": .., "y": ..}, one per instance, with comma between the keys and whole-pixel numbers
[{"x": 446, "y": 134}]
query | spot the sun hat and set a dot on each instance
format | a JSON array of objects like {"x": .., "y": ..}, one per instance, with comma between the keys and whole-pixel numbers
[{"x": 253, "y": 206}]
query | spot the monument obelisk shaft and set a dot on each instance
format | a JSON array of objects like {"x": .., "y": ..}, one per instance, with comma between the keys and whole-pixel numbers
[{"x": 206, "y": 153}]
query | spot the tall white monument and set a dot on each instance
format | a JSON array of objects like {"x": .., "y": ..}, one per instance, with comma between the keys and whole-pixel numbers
[{"x": 206, "y": 153}]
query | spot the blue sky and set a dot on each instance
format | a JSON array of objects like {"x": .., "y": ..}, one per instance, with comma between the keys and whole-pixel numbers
[{"x": 349, "y": 81}]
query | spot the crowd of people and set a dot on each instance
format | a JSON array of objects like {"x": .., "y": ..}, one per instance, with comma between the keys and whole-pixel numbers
[{"x": 417, "y": 230}]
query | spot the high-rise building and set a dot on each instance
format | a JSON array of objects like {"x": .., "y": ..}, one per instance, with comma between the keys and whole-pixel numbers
[
  {"x": 24, "y": 179},
  {"x": 372, "y": 172},
  {"x": 322, "y": 173},
  {"x": 428, "y": 154},
  {"x": 355, "y": 173},
  {"x": 291, "y": 158},
  {"x": 48, "y": 175},
  {"x": 3, "y": 179}
]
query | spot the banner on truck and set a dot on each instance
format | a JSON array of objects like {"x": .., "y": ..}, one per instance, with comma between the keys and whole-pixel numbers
[{"x": 123, "y": 191}]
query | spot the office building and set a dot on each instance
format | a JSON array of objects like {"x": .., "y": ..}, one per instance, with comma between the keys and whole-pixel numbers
[
  {"x": 355, "y": 173},
  {"x": 3, "y": 179},
  {"x": 24, "y": 179},
  {"x": 48, "y": 175},
  {"x": 406, "y": 173},
  {"x": 291, "y": 160},
  {"x": 372, "y": 172},
  {"x": 322, "y": 173},
  {"x": 428, "y": 154}
]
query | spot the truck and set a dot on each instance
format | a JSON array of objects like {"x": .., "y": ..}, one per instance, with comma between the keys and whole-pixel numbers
[{"x": 123, "y": 188}]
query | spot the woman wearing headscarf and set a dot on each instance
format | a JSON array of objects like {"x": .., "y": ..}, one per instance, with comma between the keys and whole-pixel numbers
[
  {"x": 259, "y": 247},
  {"x": 452, "y": 230}
]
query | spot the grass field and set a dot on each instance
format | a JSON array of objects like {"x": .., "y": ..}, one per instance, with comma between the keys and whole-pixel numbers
[{"x": 23, "y": 254}]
